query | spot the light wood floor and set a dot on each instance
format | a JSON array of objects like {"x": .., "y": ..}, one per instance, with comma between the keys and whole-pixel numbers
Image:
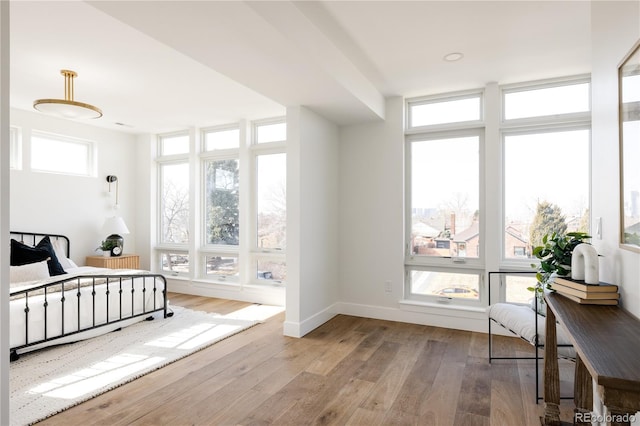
[{"x": 348, "y": 371}]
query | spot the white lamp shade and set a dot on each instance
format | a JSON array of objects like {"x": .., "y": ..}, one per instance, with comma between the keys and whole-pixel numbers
[{"x": 115, "y": 225}]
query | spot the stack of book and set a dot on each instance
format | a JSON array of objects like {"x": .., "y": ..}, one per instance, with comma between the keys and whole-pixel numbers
[{"x": 586, "y": 294}]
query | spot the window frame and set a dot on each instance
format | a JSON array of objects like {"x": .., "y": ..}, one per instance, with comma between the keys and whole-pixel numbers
[
  {"x": 257, "y": 253},
  {"x": 212, "y": 156},
  {"x": 454, "y": 265},
  {"x": 215, "y": 129},
  {"x": 445, "y": 97},
  {"x": 443, "y": 301},
  {"x": 546, "y": 119},
  {"x": 161, "y": 248},
  {"x": 538, "y": 125},
  {"x": 91, "y": 154},
  {"x": 444, "y": 261}
]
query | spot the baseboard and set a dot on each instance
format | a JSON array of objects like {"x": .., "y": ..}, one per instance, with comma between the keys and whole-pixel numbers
[
  {"x": 459, "y": 320},
  {"x": 299, "y": 329},
  {"x": 265, "y": 296}
]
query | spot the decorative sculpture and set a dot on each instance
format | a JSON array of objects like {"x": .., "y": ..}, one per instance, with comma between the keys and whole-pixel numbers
[{"x": 584, "y": 264}]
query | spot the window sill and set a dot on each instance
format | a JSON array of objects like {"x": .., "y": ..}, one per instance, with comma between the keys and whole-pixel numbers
[{"x": 409, "y": 304}]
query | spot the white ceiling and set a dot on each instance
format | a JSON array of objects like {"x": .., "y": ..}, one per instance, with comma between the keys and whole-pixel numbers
[{"x": 159, "y": 66}]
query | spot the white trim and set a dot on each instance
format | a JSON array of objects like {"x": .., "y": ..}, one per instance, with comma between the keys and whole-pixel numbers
[
  {"x": 468, "y": 319},
  {"x": 299, "y": 329},
  {"x": 250, "y": 294},
  {"x": 15, "y": 148}
]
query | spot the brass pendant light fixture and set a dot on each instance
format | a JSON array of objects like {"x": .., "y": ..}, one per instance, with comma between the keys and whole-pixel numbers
[{"x": 67, "y": 107}]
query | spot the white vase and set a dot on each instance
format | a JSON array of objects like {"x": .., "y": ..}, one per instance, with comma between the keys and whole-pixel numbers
[{"x": 106, "y": 253}]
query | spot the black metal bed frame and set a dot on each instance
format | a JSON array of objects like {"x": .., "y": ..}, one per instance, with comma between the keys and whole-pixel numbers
[
  {"x": 71, "y": 287},
  {"x": 537, "y": 344}
]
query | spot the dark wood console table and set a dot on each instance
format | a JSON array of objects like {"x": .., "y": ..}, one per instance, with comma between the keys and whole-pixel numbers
[{"x": 607, "y": 344}]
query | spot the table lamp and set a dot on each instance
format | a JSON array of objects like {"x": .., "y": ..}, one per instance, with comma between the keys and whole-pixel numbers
[{"x": 115, "y": 226}]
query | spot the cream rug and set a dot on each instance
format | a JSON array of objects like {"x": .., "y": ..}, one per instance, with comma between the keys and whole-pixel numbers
[{"x": 46, "y": 382}]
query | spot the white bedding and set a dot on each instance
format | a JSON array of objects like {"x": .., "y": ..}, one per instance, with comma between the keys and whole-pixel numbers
[{"x": 93, "y": 308}]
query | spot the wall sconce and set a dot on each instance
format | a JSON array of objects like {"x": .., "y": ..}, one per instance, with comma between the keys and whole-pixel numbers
[{"x": 113, "y": 179}]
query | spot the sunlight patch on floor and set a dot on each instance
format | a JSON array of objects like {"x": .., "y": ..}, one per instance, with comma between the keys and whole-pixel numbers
[
  {"x": 98, "y": 375},
  {"x": 197, "y": 334},
  {"x": 255, "y": 312}
]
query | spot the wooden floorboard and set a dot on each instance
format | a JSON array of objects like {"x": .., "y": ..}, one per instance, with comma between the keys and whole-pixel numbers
[{"x": 349, "y": 371}]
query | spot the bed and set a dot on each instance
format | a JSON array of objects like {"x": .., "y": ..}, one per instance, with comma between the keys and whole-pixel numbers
[{"x": 53, "y": 301}]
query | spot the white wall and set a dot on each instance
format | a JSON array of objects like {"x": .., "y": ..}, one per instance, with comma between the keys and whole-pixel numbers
[
  {"x": 615, "y": 28},
  {"x": 312, "y": 221},
  {"x": 71, "y": 205},
  {"x": 4, "y": 212},
  {"x": 372, "y": 228},
  {"x": 372, "y": 209}
]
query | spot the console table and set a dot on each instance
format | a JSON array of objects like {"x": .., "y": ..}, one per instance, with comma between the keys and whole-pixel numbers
[{"x": 607, "y": 344}]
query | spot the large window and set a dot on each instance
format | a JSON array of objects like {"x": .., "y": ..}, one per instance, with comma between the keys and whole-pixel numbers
[
  {"x": 60, "y": 154},
  {"x": 268, "y": 264},
  {"x": 546, "y": 144},
  {"x": 444, "y": 146},
  {"x": 222, "y": 197},
  {"x": 237, "y": 234},
  {"x": 174, "y": 204},
  {"x": 488, "y": 173}
]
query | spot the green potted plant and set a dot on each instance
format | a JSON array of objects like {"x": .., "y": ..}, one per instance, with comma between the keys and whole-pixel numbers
[
  {"x": 555, "y": 258},
  {"x": 105, "y": 247}
]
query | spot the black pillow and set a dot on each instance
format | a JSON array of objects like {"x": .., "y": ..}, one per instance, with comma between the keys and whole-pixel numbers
[
  {"x": 55, "y": 268},
  {"x": 22, "y": 254}
]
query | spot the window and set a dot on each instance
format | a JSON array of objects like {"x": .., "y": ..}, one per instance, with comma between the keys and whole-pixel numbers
[
  {"x": 174, "y": 203},
  {"x": 271, "y": 185},
  {"x": 237, "y": 235},
  {"x": 444, "y": 286},
  {"x": 445, "y": 183},
  {"x": 222, "y": 197},
  {"x": 174, "y": 144},
  {"x": 270, "y": 203},
  {"x": 516, "y": 288},
  {"x": 270, "y": 132},
  {"x": 221, "y": 138},
  {"x": 60, "y": 154},
  {"x": 272, "y": 270},
  {"x": 564, "y": 98},
  {"x": 175, "y": 263},
  {"x": 546, "y": 164},
  {"x": 222, "y": 267},
  {"x": 537, "y": 149},
  {"x": 444, "y": 238},
  {"x": 454, "y": 109}
]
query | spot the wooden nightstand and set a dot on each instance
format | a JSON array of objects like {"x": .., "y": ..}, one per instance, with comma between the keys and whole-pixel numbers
[{"x": 126, "y": 261}]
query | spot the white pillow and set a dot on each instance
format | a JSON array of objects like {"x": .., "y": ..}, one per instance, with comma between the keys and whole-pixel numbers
[
  {"x": 29, "y": 272},
  {"x": 60, "y": 247}
]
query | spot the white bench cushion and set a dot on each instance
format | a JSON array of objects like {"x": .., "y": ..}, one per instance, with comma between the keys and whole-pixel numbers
[{"x": 519, "y": 319}]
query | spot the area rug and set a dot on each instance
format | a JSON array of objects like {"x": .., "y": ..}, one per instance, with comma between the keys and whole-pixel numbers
[{"x": 46, "y": 382}]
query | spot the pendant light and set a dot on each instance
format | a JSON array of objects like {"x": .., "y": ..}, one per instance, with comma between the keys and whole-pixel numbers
[{"x": 67, "y": 107}]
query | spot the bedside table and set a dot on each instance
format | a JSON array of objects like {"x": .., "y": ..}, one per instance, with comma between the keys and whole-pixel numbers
[{"x": 126, "y": 261}]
